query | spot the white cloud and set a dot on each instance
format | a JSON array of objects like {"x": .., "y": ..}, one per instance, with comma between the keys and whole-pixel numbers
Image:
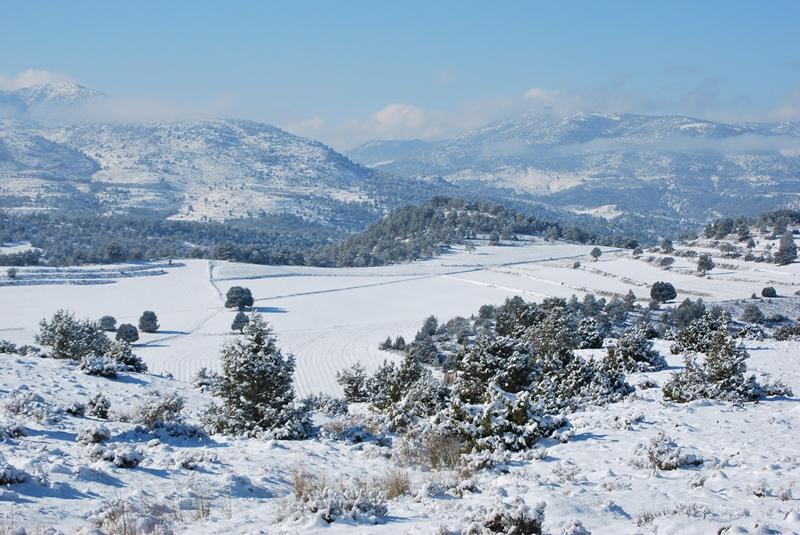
[{"x": 32, "y": 77}]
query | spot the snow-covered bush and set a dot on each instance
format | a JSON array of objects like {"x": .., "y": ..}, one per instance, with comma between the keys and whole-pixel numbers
[
  {"x": 424, "y": 397},
  {"x": 326, "y": 404},
  {"x": 10, "y": 430},
  {"x": 120, "y": 351},
  {"x": 120, "y": 455},
  {"x": 516, "y": 518},
  {"x": 664, "y": 454},
  {"x": 99, "y": 365},
  {"x": 10, "y": 475},
  {"x": 251, "y": 405},
  {"x": 205, "y": 381},
  {"x": 431, "y": 447},
  {"x": 694, "y": 337},
  {"x": 506, "y": 421},
  {"x": 721, "y": 375},
  {"x": 787, "y": 332},
  {"x": 356, "y": 500},
  {"x": 357, "y": 428},
  {"x": 752, "y": 314},
  {"x": 93, "y": 434},
  {"x": 160, "y": 410},
  {"x": 71, "y": 338},
  {"x": 75, "y": 408},
  {"x": 98, "y": 406},
  {"x": 353, "y": 382},
  {"x": 634, "y": 351},
  {"x": 31, "y": 405}
]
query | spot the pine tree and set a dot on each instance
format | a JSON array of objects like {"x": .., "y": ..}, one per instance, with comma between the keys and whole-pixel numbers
[
  {"x": 240, "y": 321},
  {"x": 504, "y": 361},
  {"x": 71, "y": 338},
  {"x": 386, "y": 344},
  {"x": 353, "y": 382},
  {"x": 634, "y": 351},
  {"x": 705, "y": 264},
  {"x": 399, "y": 343},
  {"x": 787, "y": 250},
  {"x": 148, "y": 322},
  {"x": 596, "y": 253},
  {"x": 255, "y": 384}
]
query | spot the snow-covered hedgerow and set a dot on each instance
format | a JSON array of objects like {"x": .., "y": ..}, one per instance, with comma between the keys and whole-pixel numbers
[
  {"x": 516, "y": 518},
  {"x": 355, "y": 499},
  {"x": 664, "y": 454}
]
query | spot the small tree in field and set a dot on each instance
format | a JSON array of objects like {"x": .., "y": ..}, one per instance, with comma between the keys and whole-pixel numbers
[
  {"x": 148, "y": 322},
  {"x": 787, "y": 249},
  {"x": 238, "y": 297},
  {"x": 12, "y": 272},
  {"x": 705, "y": 264},
  {"x": 108, "y": 323},
  {"x": 127, "y": 333},
  {"x": 240, "y": 321},
  {"x": 663, "y": 292},
  {"x": 596, "y": 253}
]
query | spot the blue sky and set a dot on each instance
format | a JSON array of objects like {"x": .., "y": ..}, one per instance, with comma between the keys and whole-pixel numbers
[{"x": 348, "y": 71}]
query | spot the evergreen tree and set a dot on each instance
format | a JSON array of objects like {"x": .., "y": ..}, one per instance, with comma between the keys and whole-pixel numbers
[
  {"x": 240, "y": 321},
  {"x": 353, "y": 382},
  {"x": 255, "y": 385},
  {"x": 127, "y": 333},
  {"x": 634, "y": 351},
  {"x": 386, "y": 344},
  {"x": 662, "y": 292},
  {"x": 666, "y": 246},
  {"x": 504, "y": 361},
  {"x": 108, "y": 323},
  {"x": 71, "y": 338},
  {"x": 399, "y": 343},
  {"x": 596, "y": 253},
  {"x": 787, "y": 250},
  {"x": 238, "y": 297},
  {"x": 148, "y": 322},
  {"x": 705, "y": 264}
]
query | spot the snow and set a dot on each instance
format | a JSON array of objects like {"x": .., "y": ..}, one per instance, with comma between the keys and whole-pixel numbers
[{"x": 331, "y": 318}]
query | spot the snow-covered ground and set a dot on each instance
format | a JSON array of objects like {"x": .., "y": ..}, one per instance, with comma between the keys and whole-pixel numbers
[{"x": 331, "y": 318}]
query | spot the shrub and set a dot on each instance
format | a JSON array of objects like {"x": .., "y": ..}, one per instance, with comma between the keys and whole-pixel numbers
[
  {"x": 634, "y": 352},
  {"x": 31, "y": 405},
  {"x": 71, "y": 338},
  {"x": 396, "y": 484},
  {"x": 10, "y": 475},
  {"x": 515, "y": 518},
  {"x": 326, "y": 404},
  {"x": 120, "y": 351},
  {"x": 12, "y": 272},
  {"x": 93, "y": 434},
  {"x": 127, "y": 333},
  {"x": 99, "y": 365},
  {"x": 98, "y": 406},
  {"x": 108, "y": 323},
  {"x": 769, "y": 291},
  {"x": 664, "y": 454},
  {"x": 160, "y": 410},
  {"x": 148, "y": 322},
  {"x": 119, "y": 455},
  {"x": 206, "y": 381},
  {"x": 787, "y": 332},
  {"x": 752, "y": 314},
  {"x": 356, "y": 500}
]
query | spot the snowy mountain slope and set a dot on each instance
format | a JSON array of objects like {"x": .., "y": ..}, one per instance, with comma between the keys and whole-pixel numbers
[
  {"x": 189, "y": 169},
  {"x": 679, "y": 165}
]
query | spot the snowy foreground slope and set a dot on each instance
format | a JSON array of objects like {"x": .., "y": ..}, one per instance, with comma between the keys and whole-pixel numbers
[{"x": 331, "y": 318}]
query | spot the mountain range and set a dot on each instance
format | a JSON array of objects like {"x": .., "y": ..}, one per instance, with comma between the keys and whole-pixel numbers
[
  {"x": 612, "y": 164},
  {"x": 615, "y": 166}
]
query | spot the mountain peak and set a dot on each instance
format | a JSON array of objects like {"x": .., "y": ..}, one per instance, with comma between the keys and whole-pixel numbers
[{"x": 57, "y": 94}]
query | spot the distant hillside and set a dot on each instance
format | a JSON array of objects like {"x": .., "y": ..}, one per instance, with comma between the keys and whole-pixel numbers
[
  {"x": 610, "y": 165},
  {"x": 191, "y": 170}
]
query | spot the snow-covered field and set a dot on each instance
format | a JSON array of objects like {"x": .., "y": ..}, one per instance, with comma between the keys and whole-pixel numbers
[{"x": 332, "y": 318}]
